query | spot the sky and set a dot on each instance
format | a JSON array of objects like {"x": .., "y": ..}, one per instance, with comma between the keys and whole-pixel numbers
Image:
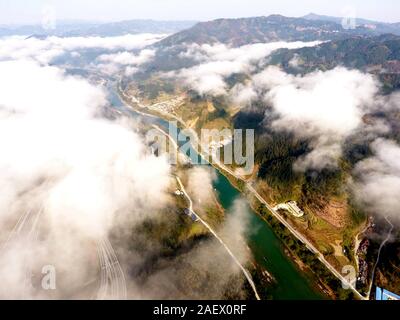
[{"x": 23, "y": 12}]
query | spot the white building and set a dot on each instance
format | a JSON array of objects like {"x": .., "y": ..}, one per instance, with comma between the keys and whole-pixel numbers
[{"x": 292, "y": 207}]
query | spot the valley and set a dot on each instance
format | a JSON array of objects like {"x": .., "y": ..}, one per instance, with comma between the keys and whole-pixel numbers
[{"x": 249, "y": 158}]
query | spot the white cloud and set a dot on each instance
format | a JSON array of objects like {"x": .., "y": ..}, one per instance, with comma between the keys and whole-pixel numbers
[
  {"x": 209, "y": 78},
  {"x": 213, "y": 267},
  {"x": 246, "y": 54},
  {"x": 218, "y": 61},
  {"x": 296, "y": 61},
  {"x": 200, "y": 185},
  {"x": 328, "y": 101},
  {"x": 46, "y": 50},
  {"x": 127, "y": 60},
  {"x": 18, "y": 47},
  {"x": 81, "y": 171},
  {"x": 378, "y": 180},
  {"x": 125, "y": 42},
  {"x": 325, "y": 107},
  {"x": 243, "y": 94}
]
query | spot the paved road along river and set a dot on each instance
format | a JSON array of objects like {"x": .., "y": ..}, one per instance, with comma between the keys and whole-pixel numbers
[{"x": 267, "y": 249}]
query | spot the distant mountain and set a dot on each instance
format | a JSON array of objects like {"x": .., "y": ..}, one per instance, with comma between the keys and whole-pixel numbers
[
  {"x": 355, "y": 52},
  {"x": 378, "y": 27},
  {"x": 243, "y": 31},
  {"x": 37, "y": 29},
  {"x": 318, "y": 17},
  {"x": 379, "y": 55},
  {"x": 99, "y": 29},
  {"x": 133, "y": 27}
]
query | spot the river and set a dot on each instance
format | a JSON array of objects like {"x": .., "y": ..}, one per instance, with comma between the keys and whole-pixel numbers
[{"x": 267, "y": 249}]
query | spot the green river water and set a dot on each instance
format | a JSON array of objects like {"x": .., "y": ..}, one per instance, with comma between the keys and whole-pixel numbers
[{"x": 267, "y": 249}]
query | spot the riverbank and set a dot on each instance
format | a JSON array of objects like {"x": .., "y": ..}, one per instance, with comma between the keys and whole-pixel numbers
[
  {"x": 314, "y": 258},
  {"x": 293, "y": 283}
]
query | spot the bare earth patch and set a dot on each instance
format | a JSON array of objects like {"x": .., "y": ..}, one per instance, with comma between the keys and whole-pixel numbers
[{"x": 335, "y": 213}]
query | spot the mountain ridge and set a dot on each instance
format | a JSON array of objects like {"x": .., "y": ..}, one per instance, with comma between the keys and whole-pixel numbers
[
  {"x": 378, "y": 26},
  {"x": 100, "y": 29},
  {"x": 242, "y": 31}
]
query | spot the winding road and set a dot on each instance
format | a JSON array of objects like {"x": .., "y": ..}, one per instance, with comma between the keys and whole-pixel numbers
[
  {"x": 25, "y": 231},
  {"x": 245, "y": 272},
  {"x": 112, "y": 279},
  {"x": 379, "y": 255},
  {"x": 296, "y": 233},
  {"x": 206, "y": 225},
  {"x": 251, "y": 189}
]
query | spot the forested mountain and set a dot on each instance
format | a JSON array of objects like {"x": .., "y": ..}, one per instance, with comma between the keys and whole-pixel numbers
[
  {"x": 379, "y": 55},
  {"x": 239, "y": 32}
]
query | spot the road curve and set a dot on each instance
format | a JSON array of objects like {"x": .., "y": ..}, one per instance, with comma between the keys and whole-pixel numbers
[
  {"x": 304, "y": 240},
  {"x": 112, "y": 278},
  {"x": 296, "y": 233},
  {"x": 245, "y": 272},
  {"x": 379, "y": 254},
  {"x": 299, "y": 236},
  {"x": 26, "y": 231}
]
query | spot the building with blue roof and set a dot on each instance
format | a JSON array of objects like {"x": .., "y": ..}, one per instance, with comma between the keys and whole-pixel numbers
[{"x": 383, "y": 294}]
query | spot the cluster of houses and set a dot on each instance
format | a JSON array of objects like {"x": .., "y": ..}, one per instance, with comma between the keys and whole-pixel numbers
[
  {"x": 168, "y": 106},
  {"x": 362, "y": 277},
  {"x": 187, "y": 211}
]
